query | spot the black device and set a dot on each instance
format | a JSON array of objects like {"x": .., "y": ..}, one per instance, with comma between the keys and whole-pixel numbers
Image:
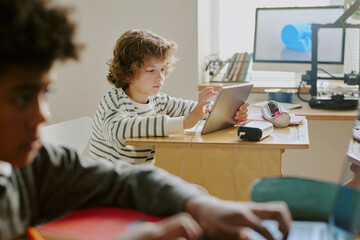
[
  {"x": 352, "y": 78},
  {"x": 336, "y": 101},
  {"x": 255, "y": 130}
]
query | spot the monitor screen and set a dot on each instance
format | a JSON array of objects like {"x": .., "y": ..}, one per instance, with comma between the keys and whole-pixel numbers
[{"x": 283, "y": 36}]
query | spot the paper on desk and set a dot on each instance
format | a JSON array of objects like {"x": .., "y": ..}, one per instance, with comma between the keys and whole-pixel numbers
[
  {"x": 294, "y": 120},
  {"x": 197, "y": 128}
]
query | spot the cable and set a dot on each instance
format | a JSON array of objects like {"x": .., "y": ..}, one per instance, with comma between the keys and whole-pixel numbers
[
  {"x": 234, "y": 175},
  {"x": 234, "y": 160},
  {"x": 355, "y": 15},
  {"x": 188, "y": 148},
  {"x": 351, "y": 50},
  {"x": 298, "y": 92},
  {"x": 299, "y": 87},
  {"x": 326, "y": 72}
]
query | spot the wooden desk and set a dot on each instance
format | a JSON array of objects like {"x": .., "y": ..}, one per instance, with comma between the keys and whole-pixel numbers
[{"x": 220, "y": 162}]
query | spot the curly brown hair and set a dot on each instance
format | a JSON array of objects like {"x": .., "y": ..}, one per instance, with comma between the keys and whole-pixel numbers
[
  {"x": 130, "y": 51},
  {"x": 33, "y": 33}
]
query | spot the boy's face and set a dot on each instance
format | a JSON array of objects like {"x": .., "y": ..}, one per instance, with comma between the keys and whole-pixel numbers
[
  {"x": 23, "y": 107},
  {"x": 148, "y": 80}
]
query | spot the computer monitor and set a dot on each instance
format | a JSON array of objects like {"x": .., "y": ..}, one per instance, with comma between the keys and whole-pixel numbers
[{"x": 282, "y": 41}]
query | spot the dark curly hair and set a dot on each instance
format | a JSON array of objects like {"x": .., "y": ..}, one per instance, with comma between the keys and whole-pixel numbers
[
  {"x": 32, "y": 33},
  {"x": 130, "y": 51}
]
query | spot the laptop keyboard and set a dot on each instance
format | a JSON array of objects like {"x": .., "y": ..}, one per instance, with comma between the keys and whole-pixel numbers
[
  {"x": 299, "y": 231},
  {"x": 304, "y": 230}
]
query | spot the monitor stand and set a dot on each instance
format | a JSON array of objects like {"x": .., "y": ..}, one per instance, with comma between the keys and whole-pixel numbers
[{"x": 338, "y": 101}]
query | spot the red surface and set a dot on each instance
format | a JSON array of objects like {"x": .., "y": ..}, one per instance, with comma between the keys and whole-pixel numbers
[{"x": 93, "y": 223}]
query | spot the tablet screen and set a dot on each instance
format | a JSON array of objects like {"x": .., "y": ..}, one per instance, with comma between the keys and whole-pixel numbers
[{"x": 227, "y": 103}]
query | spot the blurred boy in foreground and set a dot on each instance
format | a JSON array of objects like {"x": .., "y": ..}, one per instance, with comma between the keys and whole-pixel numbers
[{"x": 39, "y": 182}]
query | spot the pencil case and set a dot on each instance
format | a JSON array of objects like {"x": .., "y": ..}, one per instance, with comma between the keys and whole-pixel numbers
[{"x": 273, "y": 112}]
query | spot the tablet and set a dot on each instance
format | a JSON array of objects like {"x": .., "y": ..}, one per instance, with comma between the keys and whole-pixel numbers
[{"x": 226, "y": 104}]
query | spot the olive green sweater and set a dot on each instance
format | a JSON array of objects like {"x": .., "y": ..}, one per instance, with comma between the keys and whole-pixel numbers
[{"x": 59, "y": 181}]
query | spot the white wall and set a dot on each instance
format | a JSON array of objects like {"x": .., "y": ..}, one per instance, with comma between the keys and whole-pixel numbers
[
  {"x": 80, "y": 85},
  {"x": 206, "y": 19}
]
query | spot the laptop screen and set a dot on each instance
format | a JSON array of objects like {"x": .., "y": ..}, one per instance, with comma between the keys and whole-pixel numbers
[
  {"x": 347, "y": 203},
  {"x": 353, "y": 152}
]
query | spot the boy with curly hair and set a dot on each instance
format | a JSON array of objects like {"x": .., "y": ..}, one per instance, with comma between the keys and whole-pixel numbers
[{"x": 135, "y": 107}]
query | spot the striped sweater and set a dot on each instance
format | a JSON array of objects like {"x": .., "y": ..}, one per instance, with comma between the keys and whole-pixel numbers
[{"x": 119, "y": 117}]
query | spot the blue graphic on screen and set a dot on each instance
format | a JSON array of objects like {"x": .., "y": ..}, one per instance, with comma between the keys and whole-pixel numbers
[
  {"x": 283, "y": 36},
  {"x": 297, "y": 36}
]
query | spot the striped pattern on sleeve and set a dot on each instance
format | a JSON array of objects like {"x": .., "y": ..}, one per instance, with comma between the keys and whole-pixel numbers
[{"x": 118, "y": 117}]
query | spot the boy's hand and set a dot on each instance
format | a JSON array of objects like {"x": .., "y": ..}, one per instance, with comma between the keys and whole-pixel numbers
[
  {"x": 179, "y": 226},
  {"x": 199, "y": 111},
  {"x": 241, "y": 114},
  {"x": 230, "y": 220}
]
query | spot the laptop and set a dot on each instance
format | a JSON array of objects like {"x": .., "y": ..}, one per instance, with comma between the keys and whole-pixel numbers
[
  {"x": 226, "y": 104},
  {"x": 353, "y": 151},
  {"x": 344, "y": 220}
]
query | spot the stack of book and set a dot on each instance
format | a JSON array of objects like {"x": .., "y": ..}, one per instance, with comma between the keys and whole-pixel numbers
[{"x": 234, "y": 69}]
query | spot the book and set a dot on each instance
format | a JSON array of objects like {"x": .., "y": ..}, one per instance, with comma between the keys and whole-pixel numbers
[
  {"x": 103, "y": 223},
  {"x": 244, "y": 70},
  {"x": 234, "y": 66},
  {"x": 241, "y": 60},
  {"x": 237, "y": 66},
  {"x": 230, "y": 66}
]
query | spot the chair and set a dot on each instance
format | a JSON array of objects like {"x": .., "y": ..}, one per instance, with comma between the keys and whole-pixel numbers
[
  {"x": 73, "y": 133},
  {"x": 311, "y": 199}
]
